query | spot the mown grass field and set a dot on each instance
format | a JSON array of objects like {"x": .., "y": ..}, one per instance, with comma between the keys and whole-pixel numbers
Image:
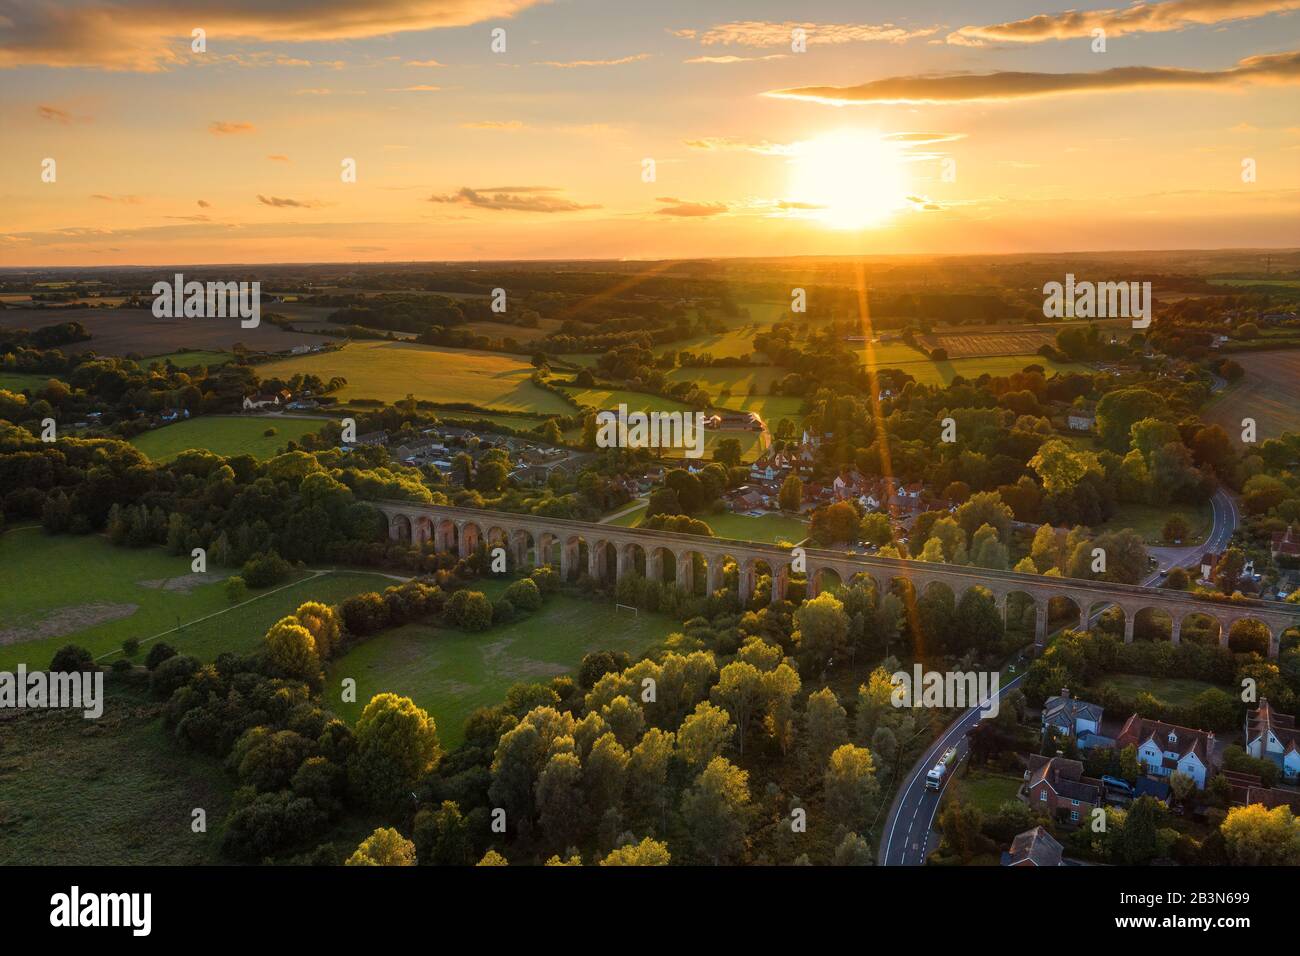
[
  {"x": 606, "y": 399},
  {"x": 450, "y": 673},
  {"x": 17, "y": 381},
  {"x": 1179, "y": 691},
  {"x": 769, "y": 528},
  {"x": 1267, "y": 393},
  {"x": 225, "y": 435},
  {"x": 111, "y": 791},
  {"x": 189, "y": 359},
  {"x": 988, "y": 791},
  {"x": 389, "y": 371},
  {"x": 61, "y": 589},
  {"x": 1149, "y": 521}
]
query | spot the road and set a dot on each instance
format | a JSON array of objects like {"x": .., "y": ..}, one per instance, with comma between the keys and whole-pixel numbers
[
  {"x": 909, "y": 830},
  {"x": 909, "y": 833}
]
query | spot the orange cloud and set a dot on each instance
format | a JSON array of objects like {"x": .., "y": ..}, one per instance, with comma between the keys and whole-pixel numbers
[
  {"x": 512, "y": 198},
  {"x": 571, "y": 64},
  {"x": 1138, "y": 18},
  {"x": 223, "y": 128},
  {"x": 760, "y": 33},
  {"x": 689, "y": 210},
  {"x": 964, "y": 87}
]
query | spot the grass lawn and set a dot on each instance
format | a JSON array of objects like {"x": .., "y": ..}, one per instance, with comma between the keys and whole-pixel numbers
[
  {"x": 1149, "y": 521},
  {"x": 768, "y": 528},
  {"x": 606, "y": 399},
  {"x": 189, "y": 359},
  {"x": 225, "y": 435},
  {"x": 389, "y": 371},
  {"x": 62, "y": 589},
  {"x": 942, "y": 373},
  {"x": 988, "y": 791},
  {"x": 450, "y": 673},
  {"x": 17, "y": 381},
  {"x": 1178, "y": 691},
  {"x": 111, "y": 791}
]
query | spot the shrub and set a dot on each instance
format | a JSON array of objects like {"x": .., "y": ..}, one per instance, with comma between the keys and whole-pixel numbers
[
  {"x": 172, "y": 673},
  {"x": 263, "y": 570},
  {"x": 236, "y": 589},
  {"x": 470, "y": 610},
  {"x": 524, "y": 595},
  {"x": 157, "y": 654},
  {"x": 131, "y": 646},
  {"x": 70, "y": 658},
  {"x": 364, "y": 613}
]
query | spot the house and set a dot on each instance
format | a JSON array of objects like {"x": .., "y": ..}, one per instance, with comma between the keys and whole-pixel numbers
[
  {"x": 1034, "y": 847},
  {"x": 1164, "y": 749},
  {"x": 1057, "y": 786},
  {"x": 264, "y": 400},
  {"x": 747, "y": 499},
  {"x": 1208, "y": 562},
  {"x": 1070, "y": 716},
  {"x": 1272, "y": 735},
  {"x": 1081, "y": 421},
  {"x": 1153, "y": 788},
  {"x": 372, "y": 438},
  {"x": 1286, "y": 543}
]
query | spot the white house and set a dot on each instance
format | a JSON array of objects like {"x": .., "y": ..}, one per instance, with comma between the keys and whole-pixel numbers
[
  {"x": 1071, "y": 717},
  {"x": 1271, "y": 735},
  {"x": 1164, "y": 749}
]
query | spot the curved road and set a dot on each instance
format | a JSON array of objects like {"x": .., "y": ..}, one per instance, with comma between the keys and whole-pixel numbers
[{"x": 909, "y": 833}]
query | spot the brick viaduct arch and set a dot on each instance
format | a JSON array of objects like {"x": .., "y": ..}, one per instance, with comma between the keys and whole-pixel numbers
[{"x": 612, "y": 551}]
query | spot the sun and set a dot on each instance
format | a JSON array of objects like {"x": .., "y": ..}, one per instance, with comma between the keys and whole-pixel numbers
[{"x": 849, "y": 179}]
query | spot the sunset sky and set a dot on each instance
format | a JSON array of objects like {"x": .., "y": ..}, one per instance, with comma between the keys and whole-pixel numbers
[{"x": 165, "y": 155}]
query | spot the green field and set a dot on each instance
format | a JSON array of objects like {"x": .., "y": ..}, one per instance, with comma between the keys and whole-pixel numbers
[
  {"x": 942, "y": 373},
  {"x": 225, "y": 435},
  {"x": 111, "y": 791},
  {"x": 769, "y": 528},
  {"x": 189, "y": 359},
  {"x": 988, "y": 791},
  {"x": 17, "y": 381},
  {"x": 1149, "y": 521},
  {"x": 607, "y": 399},
  {"x": 450, "y": 673},
  {"x": 1179, "y": 691},
  {"x": 62, "y": 589},
  {"x": 389, "y": 371}
]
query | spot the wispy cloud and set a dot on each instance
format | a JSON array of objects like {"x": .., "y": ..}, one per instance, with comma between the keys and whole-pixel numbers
[
  {"x": 126, "y": 200},
  {"x": 424, "y": 63},
  {"x": 141, "y": 35},
  {"x": 573, "y": 64},
  {"x": 278, "y": 158},
  {"x": 1277, "y": 68},
  {"x": 54, "y": 113},
  {"x": 494, "y": 124},
  {"x": 281, "y": 203},
  {"x": 732, "y": 145},
  {"x": 732, "y": 58},
  {"x": 513, "y": 198},
  {"x": 761, "y": 33},
  {"x": 225, "y": 128},
  {"x": 419, "y": 88},
  {"x": 687, "y": 209},
  {"x": 1161, "y": 17}
]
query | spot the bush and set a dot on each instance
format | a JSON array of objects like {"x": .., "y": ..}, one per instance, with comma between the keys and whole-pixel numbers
[
  {"x": 171, "y": 674},
  {"x": 122, "y": 666},
  {"x": 524, "y": 595},
  {"x": 503, "y": 611},
  {"x": 270, "y": 433},
  {"x": 236, "y": 589},
  {"x": 157, "y": 654},
  {"x": 470, "y": 610},
  {"x": 263, "y": 570},
  {"x": 70, "y": 658},
  {"x": 131, "y": 646},
  {"x": 364, "y": 613}
]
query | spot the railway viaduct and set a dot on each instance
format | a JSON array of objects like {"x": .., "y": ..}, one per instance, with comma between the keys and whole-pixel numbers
[{"x": 606, "y": 552}]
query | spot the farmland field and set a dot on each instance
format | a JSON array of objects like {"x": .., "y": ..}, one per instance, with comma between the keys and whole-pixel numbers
[
  {"x": 137, "y": 332},
  {"x": 111, "y": 791},
  {"x": 60, "y": 589},
  {"x": 389, "y": 371},
  {"x": 971, "y": 344},
  {"x": 1267, "y": 393},
  {"x": 769, "y": 528},
  {"x": 17, "y": 381},
  {"x": 189, "y": 359},
  {"x": 450, "y": 673},
  {"x": 928, "y": 372},
  {"x": 606, "y": 399},
  {"x": 225, "y": 435}
]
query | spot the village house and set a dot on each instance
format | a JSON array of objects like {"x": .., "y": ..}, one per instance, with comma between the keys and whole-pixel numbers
[
  {"x": 1286, "y": 543},
  {"x": 1057, "y": 786},
  {"x": 1034, "y": 847},
  {"x": 267, "y": 400},
  {"x": 1081, "y": 421},
  {"x": 1165, "y": 749},
  {"x": 1069, "y": 716},
  {"x": 1272, "y": 735}
]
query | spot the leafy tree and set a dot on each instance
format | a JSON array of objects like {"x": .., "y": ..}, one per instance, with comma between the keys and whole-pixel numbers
[
  {"x": 704, "y": 734},
  {"x": 825, "y": 724},
  {"x": 1256, "y": 836},
  {"x": 396, "y": 744},
  {"x": 442, "y": 836},
  {"x": 235, "y": 588},
  {"x": 714, "y": 811},
  {"x": 384, "y": 847},
  {"x": 291, "y": 651},
  {"x": 646, "y": 853},
  {"x": 850, "y": 785},
  {"x": 791, "y": 495},
  {"x": 834, "y": 524},
  {"x": 71, "y": 659},
  {"x": 875, "y": 529},
  {"x": 821, "y": 630},
  {"x": 559, "y": 799}
]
